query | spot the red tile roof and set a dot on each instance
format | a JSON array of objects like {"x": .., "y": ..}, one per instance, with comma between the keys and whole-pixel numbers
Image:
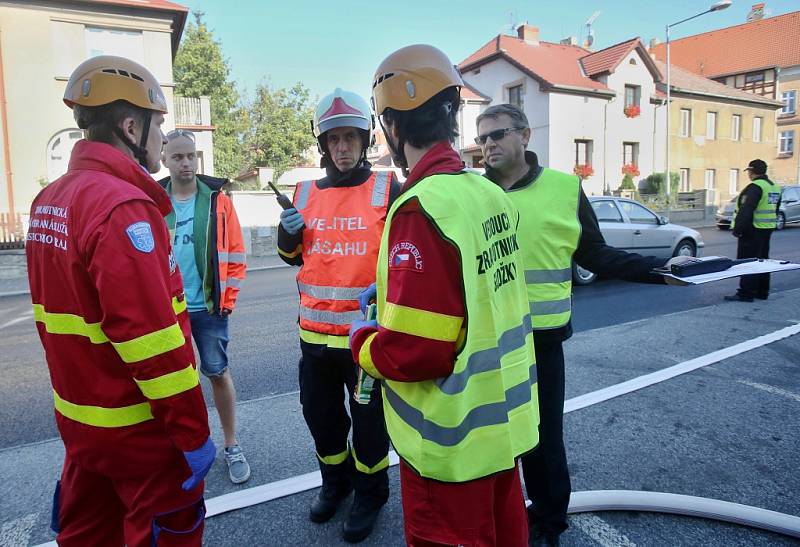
[
  {"x": 606, "y": 60},
  {"x": 682, "y": 80},
  {"x": 770, "y": 42},
  {"x": 469, "y": 93},
  {"x": 555, "y": 65}
]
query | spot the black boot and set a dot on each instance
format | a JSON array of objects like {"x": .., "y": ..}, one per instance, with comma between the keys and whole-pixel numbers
[
  {"x": 361, "y": 520},
  {"x": 337, "y": 484}
]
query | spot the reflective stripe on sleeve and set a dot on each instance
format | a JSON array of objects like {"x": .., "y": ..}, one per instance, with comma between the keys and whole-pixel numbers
[
  {"x": 232, "y": 258},
  {"x": 365, "y": 358},
  {"x": 169, "y": 384},
  {"x": 422, "y": 323},
  {"x": 150, "y": 345}
]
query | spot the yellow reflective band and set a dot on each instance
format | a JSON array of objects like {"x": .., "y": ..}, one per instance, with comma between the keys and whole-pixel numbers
[
  {"x": 169, "y": 384},
  {"x": 330, "y": 340},
  {"x": 67, "y": 323},
  {"x": 425, "y": 324},
  {"x": 365, "y": 358},
  {"x": 380, "y": 466},
  {"x": 336, "y": 459},
  {"x": 99, "y": 416},
  {"x": 150, "y": 345},
  {"x": 178, "y": 306},
  {"x": 297, "y": 251}
]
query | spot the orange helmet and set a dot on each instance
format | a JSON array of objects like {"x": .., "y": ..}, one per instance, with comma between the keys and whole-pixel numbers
[
  {"x": 104, "y": 79},
  {"x": 410, "y": 76}
]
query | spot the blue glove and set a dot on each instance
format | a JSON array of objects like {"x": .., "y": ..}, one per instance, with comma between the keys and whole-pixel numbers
[
  {"x": 359, "y": 324},
  {"x": 370, "y": 293},
  {"x": 291, "y": 220},
  {"x": 199, "y": 461}
]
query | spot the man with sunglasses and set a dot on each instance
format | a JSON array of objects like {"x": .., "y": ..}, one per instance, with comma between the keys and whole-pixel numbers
[
  {"x": 208, "y": 246},
  {"x": 557, "y": 226}
]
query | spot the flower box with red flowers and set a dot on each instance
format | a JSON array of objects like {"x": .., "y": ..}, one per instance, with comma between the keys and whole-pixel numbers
[
  {"x": 584, "y": 171},
  {"x": 630, "y": 169},
  {"x": 632, "y": 110}
]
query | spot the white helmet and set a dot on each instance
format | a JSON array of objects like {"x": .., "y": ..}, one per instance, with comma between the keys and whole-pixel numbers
[{"x": 343, "y": 109}]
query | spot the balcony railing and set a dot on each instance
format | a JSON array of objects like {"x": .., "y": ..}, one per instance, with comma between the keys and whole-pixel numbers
[{"x": 188, "y": 111}]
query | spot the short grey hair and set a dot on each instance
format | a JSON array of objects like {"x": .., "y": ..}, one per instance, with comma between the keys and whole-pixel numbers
[{"x": 518, "y": 117}]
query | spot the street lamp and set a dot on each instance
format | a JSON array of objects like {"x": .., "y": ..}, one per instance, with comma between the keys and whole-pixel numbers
[{"x": 716, "y": 6}]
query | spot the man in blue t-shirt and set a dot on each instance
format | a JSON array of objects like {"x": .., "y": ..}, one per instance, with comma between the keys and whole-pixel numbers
[{"x": 213, "y": 266}]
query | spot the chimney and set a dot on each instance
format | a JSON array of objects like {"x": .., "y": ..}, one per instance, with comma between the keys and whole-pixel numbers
[
  {"x": 528, "y": 33},
  {"x": 654, "y": 42},
  {"x": 569, "y": 41}
]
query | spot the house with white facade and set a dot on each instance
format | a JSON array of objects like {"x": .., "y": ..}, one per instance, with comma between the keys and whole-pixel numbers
[{"x": 597, "y": 109}]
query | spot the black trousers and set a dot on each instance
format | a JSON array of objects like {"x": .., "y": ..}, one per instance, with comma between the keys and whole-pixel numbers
[
  {"x": 545, "y": 468},
  {"x": 324, "y": 372},
  {"x": 754, "y": 245}
]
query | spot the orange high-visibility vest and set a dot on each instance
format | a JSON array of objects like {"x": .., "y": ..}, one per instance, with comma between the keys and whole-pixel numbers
[{"x": 340, "y": 250}]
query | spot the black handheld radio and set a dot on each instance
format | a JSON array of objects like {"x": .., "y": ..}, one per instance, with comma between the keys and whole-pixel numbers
[{"x": 283, "y": 200}]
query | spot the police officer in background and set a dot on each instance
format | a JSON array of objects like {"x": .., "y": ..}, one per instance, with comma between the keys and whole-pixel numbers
[
  {"x": 754, "y": 220},
  {"x": 333, "y": 233},
  {"x": 557, "y": 226}
]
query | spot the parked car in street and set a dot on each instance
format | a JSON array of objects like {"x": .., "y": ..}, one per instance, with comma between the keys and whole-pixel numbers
[
  {"x": 628, "y": 225},
  {"x": 788, "y": 212}
]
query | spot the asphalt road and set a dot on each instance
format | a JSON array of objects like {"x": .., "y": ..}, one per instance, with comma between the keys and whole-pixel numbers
[
  {"x": 727, "y": 431},
  {"x": 264, "y": 349}
]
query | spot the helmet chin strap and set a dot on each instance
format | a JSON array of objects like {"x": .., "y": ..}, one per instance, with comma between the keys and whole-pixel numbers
[
  {"x": 398, "y": 153},
  {"x": 140, "y": 150}
]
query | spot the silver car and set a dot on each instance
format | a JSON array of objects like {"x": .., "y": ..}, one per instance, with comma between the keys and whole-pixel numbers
[
  {"x": 630, "y": 226},
  {"x": 788, "y": 213}
]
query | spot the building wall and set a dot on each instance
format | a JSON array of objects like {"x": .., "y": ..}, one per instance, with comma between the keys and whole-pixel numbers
[
  {"x": 640, "y": 130},
  {"x": 698, "y": 153},
  {"x": 41, "y": 45},
  {"x": 786, "y": 169},
  {"x": 493, "y": 80}
]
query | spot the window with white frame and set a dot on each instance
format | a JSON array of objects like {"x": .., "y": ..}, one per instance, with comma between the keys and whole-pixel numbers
[
  {"x": 583, "y": 152},
  {"x": 630, "y": 153},
  {"x": 107, "y": 41},
  {"x": 711, "y": 125},
  {"x": 686, "y": 122},
  {"x": 786, "y": 142},
  {"x": 709, "y": 179},
  {"x": 633, "y": 95},
  {"x": 757, "y": 129},
  {"x": 685, "y": 179},
  {"x": 515, "y": 95},
  {"x": 789, "y": 99},
  {"x": 733, "y": 181},
  {"x": 736, "y": 127}
]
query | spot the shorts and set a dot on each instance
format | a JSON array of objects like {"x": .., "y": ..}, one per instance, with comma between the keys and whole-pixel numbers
[{"x": 210, "y": 333}]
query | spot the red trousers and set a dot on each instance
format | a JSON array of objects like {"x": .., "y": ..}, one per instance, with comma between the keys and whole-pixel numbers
[
  {"x": 114, "y": 496},
  {"x": 488, "y": 512}
]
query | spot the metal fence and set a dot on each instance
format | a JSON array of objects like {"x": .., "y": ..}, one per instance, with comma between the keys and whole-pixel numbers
[{"x": 12, "y": 234}]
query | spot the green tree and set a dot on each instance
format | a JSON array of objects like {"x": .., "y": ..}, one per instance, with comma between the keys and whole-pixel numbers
[
  {"x": 279, "y": 127},
  {"x": 200, "y": 69}
]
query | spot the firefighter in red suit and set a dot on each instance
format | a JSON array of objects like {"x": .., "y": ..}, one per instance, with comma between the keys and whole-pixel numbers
[{"x": 109, "y": 307}]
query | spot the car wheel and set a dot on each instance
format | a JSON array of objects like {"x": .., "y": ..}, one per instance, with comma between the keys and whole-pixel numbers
[
  {"x": 686, "y": 247},
  {"x": 781, "y": 221},
  {"x": 581, "y": 276}
]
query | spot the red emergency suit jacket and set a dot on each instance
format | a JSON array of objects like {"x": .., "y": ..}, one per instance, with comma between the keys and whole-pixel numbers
[{"x": 110, "y": 311}]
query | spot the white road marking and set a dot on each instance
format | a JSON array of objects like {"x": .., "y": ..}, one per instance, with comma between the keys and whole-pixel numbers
[
  {"x": 293, "y": 485},
  {"x": 18, "y": 532},
  {"x": 772, "y": 389},
  {"x": 600, "y": 531},
  {"x": 24, "y": 317}
]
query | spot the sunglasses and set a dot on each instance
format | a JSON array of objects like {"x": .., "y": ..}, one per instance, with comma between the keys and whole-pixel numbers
[
  {"x": 496, "y": 135},
  {"x": 175, "y": 133}
]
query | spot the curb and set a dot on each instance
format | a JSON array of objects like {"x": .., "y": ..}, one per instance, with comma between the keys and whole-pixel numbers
[{"x": 257, "y": 269}]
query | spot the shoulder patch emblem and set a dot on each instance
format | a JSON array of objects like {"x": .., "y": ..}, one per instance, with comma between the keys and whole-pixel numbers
[
  {"x": 141, "y": 236},
  {"x": 406, "y": 256}
]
